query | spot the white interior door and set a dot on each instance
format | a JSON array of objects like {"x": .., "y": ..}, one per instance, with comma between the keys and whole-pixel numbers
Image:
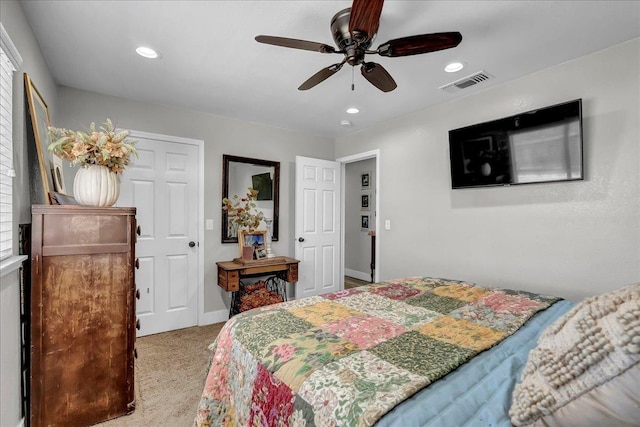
[
  {"x": 162, "y": 183},
  {"x": 318, "y": 231}
]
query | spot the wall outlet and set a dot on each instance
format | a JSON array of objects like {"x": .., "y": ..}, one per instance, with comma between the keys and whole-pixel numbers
[
  {"x": 387, "y": 224},
  {"x": 209, "y": 225}
]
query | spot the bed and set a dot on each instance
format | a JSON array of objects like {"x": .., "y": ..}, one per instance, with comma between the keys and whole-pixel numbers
[{"x": 415, "y": 351}]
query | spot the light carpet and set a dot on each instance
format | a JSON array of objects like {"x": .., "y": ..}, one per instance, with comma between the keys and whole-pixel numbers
[
  {"x": 169, "y": 377},
  {"x": 352, "y": 282}
]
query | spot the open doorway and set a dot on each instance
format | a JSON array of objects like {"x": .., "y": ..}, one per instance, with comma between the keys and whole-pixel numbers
[{"x": 360, "y": 195}]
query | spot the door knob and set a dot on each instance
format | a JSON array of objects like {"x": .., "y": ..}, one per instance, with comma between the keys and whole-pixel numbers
[
  {"x": 300, "y": 239},
  {"x": 192, "y": 244}
]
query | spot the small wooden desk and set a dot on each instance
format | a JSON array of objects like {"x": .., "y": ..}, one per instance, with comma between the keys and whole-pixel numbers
[{"x": 230, "y": 274}]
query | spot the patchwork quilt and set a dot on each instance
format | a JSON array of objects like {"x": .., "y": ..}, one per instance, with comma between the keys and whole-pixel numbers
[{"x": 349, "y": 357}]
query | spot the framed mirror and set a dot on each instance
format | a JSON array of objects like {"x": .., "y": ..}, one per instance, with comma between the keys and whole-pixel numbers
[
  {"x": 41, "y": 170},
  {"x": 241, "y": 173}
]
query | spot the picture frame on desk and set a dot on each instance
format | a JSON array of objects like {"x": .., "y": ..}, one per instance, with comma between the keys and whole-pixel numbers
[{"x": 256, "y": 239}]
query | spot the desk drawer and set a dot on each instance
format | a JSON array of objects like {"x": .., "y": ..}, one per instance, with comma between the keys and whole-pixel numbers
[
  {"x": 292, "y": 273},
  {"x": 228, "y": 280}
]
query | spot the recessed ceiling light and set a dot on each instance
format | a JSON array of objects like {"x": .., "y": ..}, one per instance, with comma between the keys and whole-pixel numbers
[
  {"x": 345, "y": 123},
  {"x": 352, "y": 110},
  {"x": 454, "y": 66},
  {"x": 147, "y": 52}
]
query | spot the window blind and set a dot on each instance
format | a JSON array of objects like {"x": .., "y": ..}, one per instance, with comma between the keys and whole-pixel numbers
[{"x": 6, "y": 155}]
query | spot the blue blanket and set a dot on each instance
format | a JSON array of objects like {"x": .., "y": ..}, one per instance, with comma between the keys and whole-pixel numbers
[{"x": 478, "y": 393}]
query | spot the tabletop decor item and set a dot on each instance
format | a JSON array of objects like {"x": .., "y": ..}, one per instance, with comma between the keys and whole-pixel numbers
[
  {"x": 102, "y": 153},
  {"x": 242, "y": 210}
]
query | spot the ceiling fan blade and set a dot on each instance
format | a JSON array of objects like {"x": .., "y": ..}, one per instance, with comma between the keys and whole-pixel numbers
[
  {"x": 365, "y": 17},
  {"x": 321, "y": 76},
  {"x": 296, "y": 44},
  {"x": 424, "y": 43},
  {"x": 378, "y": 76}
]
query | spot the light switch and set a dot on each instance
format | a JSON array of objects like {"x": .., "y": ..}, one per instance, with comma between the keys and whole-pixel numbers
[
  {"x": 209, "y": 224},
  {"x": 387, "y": 224}
]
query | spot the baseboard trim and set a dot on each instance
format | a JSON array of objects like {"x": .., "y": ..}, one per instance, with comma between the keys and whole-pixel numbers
[
  {"x": 357, "y": 274},
  {"x": 211, "y": 317}
]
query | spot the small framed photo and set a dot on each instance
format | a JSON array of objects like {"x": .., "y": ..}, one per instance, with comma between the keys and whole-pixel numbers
[
  {"x": 261, "y": 253},
  {"x": 365, "y": 180},
  {"x": 365, "y": 202},
  {"x": 364, "y": 222},
  {"x": 255, "y": 239}
]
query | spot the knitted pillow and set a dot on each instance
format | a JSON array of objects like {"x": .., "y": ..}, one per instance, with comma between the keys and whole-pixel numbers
[{"x": 585, "y": 367}]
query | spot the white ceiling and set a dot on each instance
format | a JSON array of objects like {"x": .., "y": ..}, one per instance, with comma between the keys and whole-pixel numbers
[{"x": 211, "y": 62}]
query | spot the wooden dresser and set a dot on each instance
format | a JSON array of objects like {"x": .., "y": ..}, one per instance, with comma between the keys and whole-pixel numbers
[{"x": 82, "y": 314}]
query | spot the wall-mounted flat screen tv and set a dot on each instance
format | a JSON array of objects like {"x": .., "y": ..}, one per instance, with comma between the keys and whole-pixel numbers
[{"x": 543, "y": 145}]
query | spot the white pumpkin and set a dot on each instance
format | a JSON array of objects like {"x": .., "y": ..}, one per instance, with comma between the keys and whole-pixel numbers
[{"x": 96, "y": 185}]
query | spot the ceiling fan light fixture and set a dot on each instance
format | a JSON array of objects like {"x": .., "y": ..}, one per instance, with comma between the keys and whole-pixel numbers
[
  {"x": 454, "y": 67},
  {"x": 352, "y": 110},
  {"x": 147, "y": 52}
]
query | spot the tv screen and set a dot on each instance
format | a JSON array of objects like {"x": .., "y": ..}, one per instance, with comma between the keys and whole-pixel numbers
[{"x": 543, "y": 145}]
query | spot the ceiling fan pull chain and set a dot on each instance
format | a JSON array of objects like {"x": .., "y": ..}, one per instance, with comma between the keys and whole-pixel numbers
[{"x": 353, "y": 86}]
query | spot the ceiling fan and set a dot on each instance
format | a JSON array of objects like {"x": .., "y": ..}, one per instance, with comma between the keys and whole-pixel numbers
[{"x": 353, "y": 31}]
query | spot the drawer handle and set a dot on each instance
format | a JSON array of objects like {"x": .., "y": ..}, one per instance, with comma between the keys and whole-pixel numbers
[
  {"x": 138, "y": 324},
  {"x": 137, "y": 293},
  {"x": 137, "y": 263},
  {"x": 138, "y": 230}
]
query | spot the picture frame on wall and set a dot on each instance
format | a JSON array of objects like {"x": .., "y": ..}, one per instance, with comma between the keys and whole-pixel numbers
[
  {"x": 365, "y": 180},
  {"x": 364, "y": 222},
  {"x": 365, "y": 202}
]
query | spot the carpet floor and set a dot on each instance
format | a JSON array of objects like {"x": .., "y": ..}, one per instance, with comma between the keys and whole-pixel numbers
[
  {"x": 170, "y": 372},
  {"x": 352, "y": 282},
  {"x": 169, "y": 377}
]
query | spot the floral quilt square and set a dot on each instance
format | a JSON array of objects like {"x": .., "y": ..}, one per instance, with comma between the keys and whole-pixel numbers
[
  {"x": 303, "y": 302},
  {"x": 438, "y": 359},
  {"x": 322, "y": 312},
  {"x": 364, "y": 331},
  {"x": 462, "y": 333},
  {"x": 341, "y": 294},
  {"x": 294, "y": 358},
  {"x": 441, "y": 304},
  {"x": 514, "y": 304},
  {"x": 243, "y": 371},
  {"x": 398, "y": 292},
  {"x": 482, "y": 315},
  {"x": 420, "y": 283},
  {"x": 362, "y": 380},
  {"x": 272, "y": 403},
  {"x": 257, "y": 331},
  {"x": 462, "y": 292},
  {"x": 393, "y": 311},
  {"x": 216, "y": 384},
  {"x": 536, "y": 297}
]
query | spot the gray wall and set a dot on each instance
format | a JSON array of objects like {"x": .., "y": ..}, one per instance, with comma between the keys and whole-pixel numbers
[
  {"x": 19, "y": 30},
  {"x": 77, "y": 108},
  {"x": 568, "y": 239},
  {"x": 357, "y": 242}
]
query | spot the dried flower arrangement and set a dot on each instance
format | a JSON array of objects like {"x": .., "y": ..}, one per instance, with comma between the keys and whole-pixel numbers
[
  {"x": 105, "y": 147},
  {"x": 242, "y": 210}
]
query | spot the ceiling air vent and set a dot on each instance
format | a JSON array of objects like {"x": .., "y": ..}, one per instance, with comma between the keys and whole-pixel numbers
[{"x": 466, "y": 82}]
